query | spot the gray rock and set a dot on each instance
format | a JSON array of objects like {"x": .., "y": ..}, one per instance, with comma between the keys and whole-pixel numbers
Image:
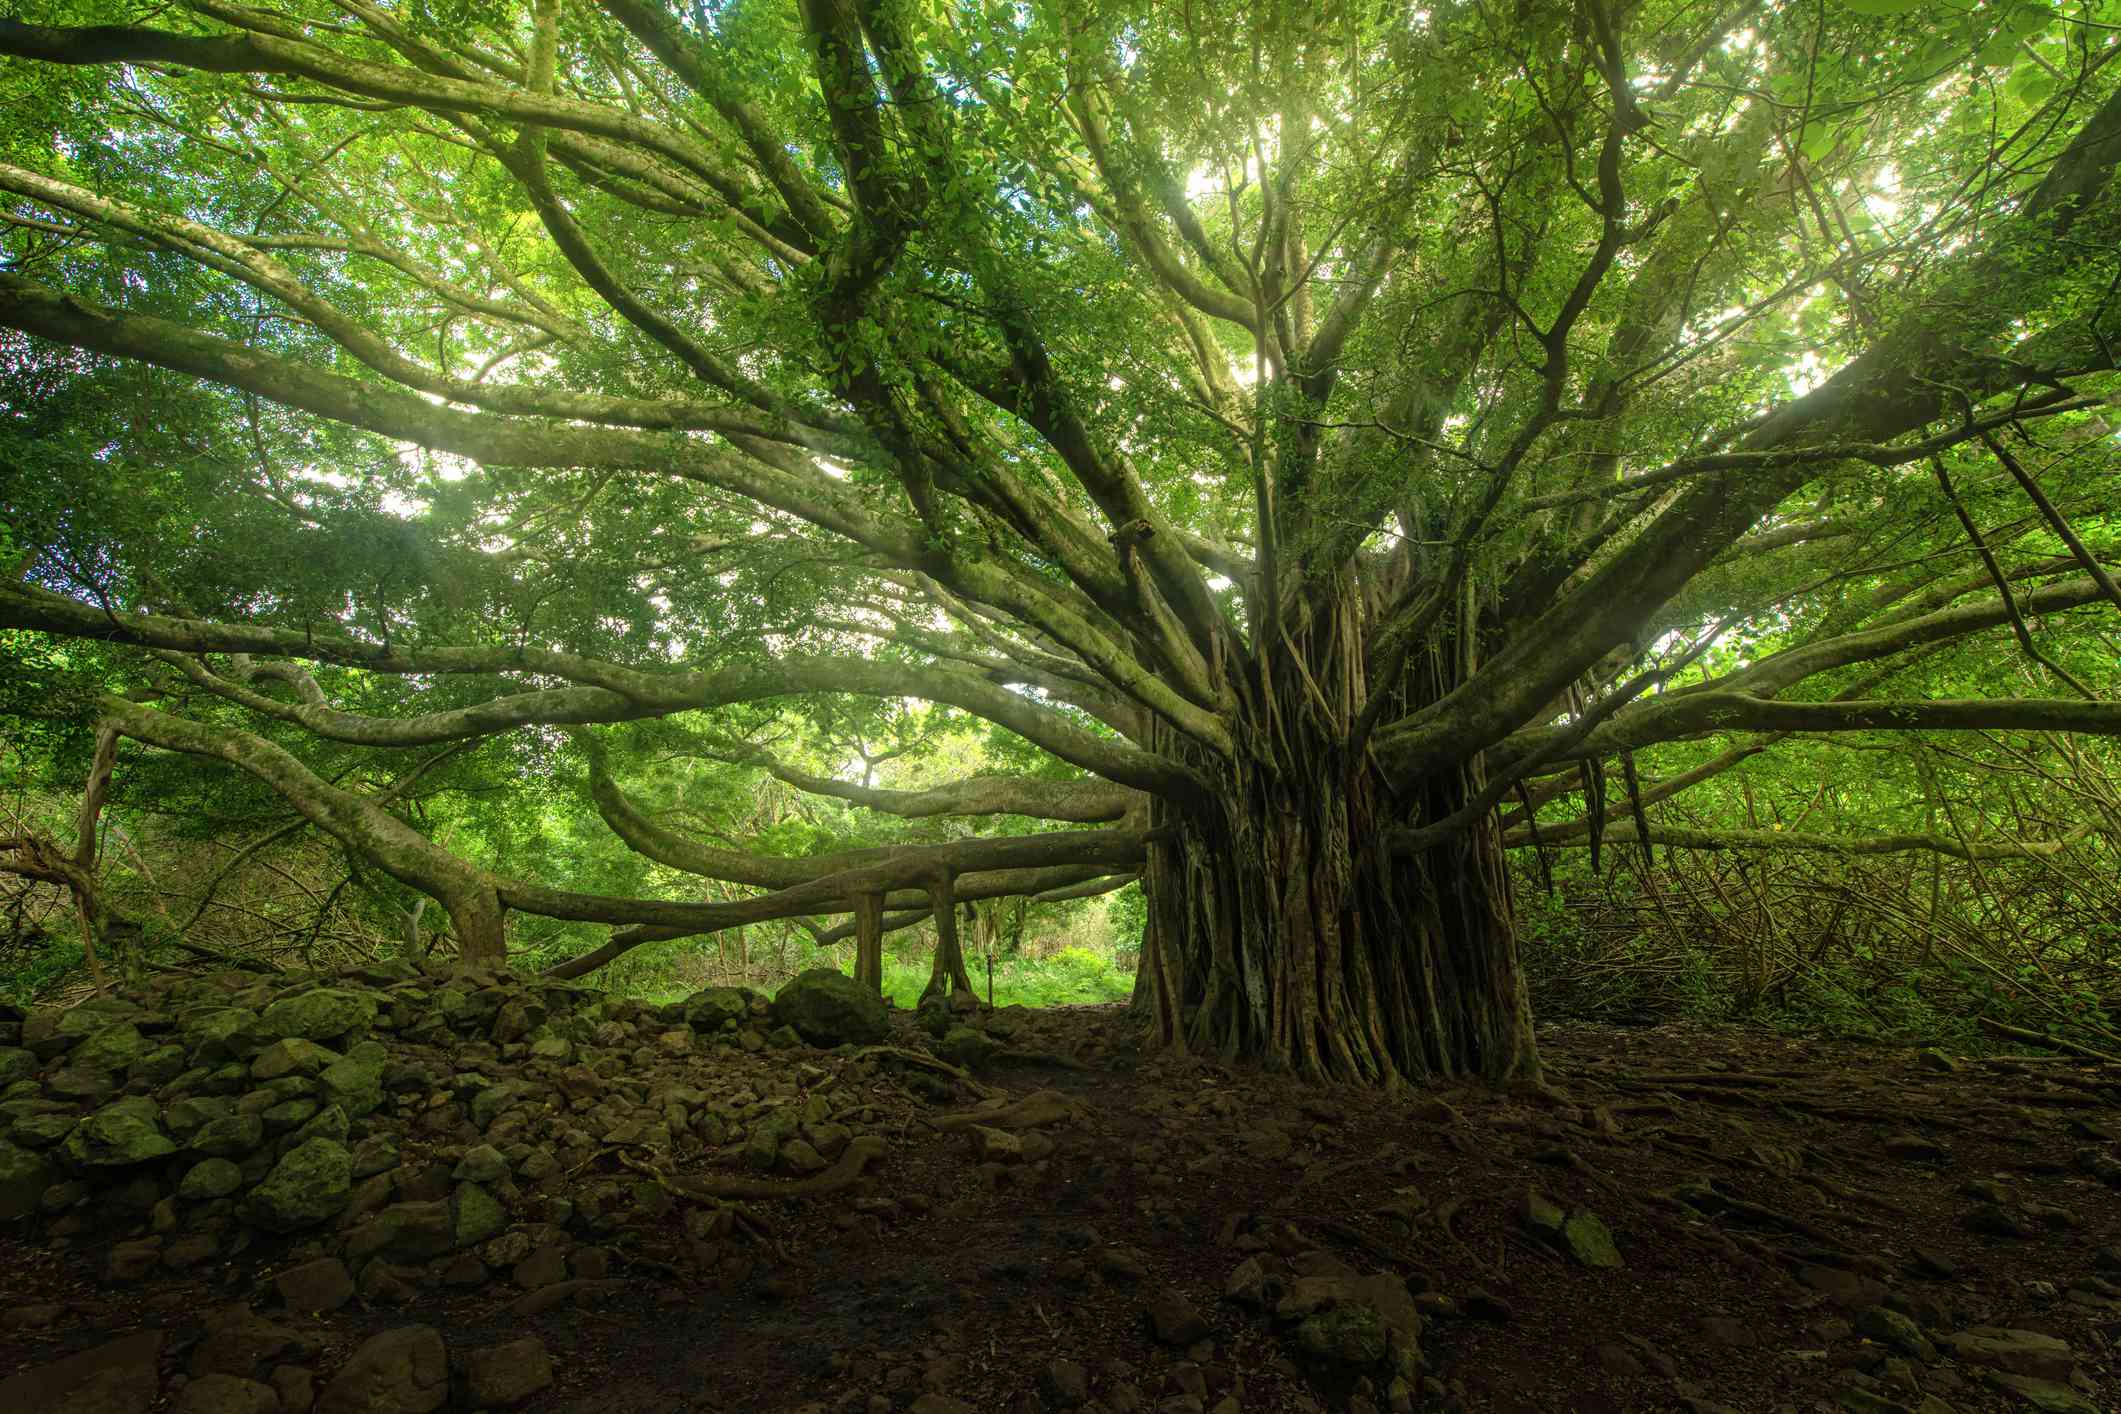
[
  {"x": 965, "y": 1046},
  {"x": 119, "y": 1377},
  {"x": 321, "y": 1285},
  {"x": 828, "y": 1008},
  {"x": 373, "y": 1155},
  {"x": 355, "y": 1082},
  {"x": 1069, "y": 1381},
  {"x": 482, "y": 1164},
  {"x": 1541, "y": 1214},
  {"x": 24, "y": 1176},
  {"x": 124, "y": 1132},
  {"x": 1173, "y": 1321},
  {"x": 42, "y": 1131},
  {"x": 209, "y": 1178},
  {"x": 406, "y": 1232},
  {"x": 16, "y": 1064},
  {"x": 238, "y": 1342},
  {"x": 1589, "y": 1241},
  {"x": 224, "y": 1034},
  {"x": 1896, "y": 1332},
  {"x": 2047, "y": 1396},
  {"x": 707, "y": 1010},
  {"x": 323, "y": 1015},
  {"x": 185, "y": 1116},
  {"x": 403, "y": 1371},
  {"x": 495, "y": 1100},
  {"x": 130, "y": 1261},
  {"x": 291, "y": 1056},
  {"x": 2019, "y": 1352},
  {"x": 226, "y": 1394},
  {"x": 1344, "y": 1335},
  {"x": 110, "y": 1049},
  {"x": 311, "y": 1183},
  {"x": 229, "y": 1137},
  {"x": 503, "y": 1375},
  {"x": 297, "y": 1388},
  {"x": 290, "y": 1114},
  {"x": 474, "y": 1215},
  {"x": 159, "y": 1066}
]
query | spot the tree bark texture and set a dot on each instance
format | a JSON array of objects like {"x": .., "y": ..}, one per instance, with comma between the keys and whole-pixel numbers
[
  {"x": 869, "y": 942},
  {"x": 947, "y": 973},
  {"x": 1280, "y": 926}
]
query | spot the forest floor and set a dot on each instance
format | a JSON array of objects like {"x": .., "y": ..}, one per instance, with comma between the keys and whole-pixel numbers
[{"x": 1794, "y": 1225}]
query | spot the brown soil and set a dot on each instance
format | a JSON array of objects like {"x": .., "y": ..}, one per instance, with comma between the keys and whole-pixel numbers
[{"x": 1765, "y": 1195}]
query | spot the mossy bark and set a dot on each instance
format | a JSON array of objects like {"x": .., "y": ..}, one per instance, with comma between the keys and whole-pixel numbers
[
  {"x": 869, "y": 941},
  {"x": 947, "y": 973},
  {"x": 1280, "y": 925}
]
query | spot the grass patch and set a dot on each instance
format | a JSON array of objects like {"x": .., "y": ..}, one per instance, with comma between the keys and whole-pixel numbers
[{"x": 1072, "y": 976}]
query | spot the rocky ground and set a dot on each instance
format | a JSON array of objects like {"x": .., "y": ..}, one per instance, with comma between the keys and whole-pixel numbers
[{"x": 382, "y": 1191}]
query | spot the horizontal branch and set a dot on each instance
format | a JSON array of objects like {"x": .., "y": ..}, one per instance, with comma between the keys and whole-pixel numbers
[
  {"x": 610, "y": 692},
  {"x": 1082, "y": 802},
  {"x": 1815, "y": 844},
  {"x": 1038, "y": 885},
  {"x": 1673, "y": 717},
  {"x": 904, "y": 867}
]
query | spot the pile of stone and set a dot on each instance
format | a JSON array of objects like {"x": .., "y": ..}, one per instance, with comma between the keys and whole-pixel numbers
[{"x": 416, "y": 1127}]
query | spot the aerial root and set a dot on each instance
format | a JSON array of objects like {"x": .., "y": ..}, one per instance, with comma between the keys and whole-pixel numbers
[
  {"x": 1034, "y": 1111},
  {"x": 924, "y": 1061},
  {"x": 719, "y": 1187}
]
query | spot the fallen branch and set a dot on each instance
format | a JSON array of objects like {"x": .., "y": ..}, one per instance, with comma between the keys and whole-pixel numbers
[
  {"x": 1034, "y": 1111},
  {"x": 927, "y": 1062},
  {"x": 2039, "y": 1038},
  {"x": 715, "y": 1187}
]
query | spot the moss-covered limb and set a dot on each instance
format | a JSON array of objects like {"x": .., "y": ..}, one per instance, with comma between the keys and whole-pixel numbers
[
  {"x": 466, "y": 891},
  {"x": 1062, "y": 800},
  {"x": 268, "y": 53},
  {"x": 836, "y": 893},
  {"x": 756, "y": 474},
  {"x": 1621, "y": 834},
  {"x": 1947, "y": 349},
  {"x": 608, "y": 692},
  {"x": 477, "y": 899},
  {"x": 247, "y": 260},
  {"x": 1085, "y": 802},
  {"x": 1691, "y": 714}
]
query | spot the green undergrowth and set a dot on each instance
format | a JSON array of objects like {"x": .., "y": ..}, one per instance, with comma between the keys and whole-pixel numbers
[
  {"x": 1071, "y": 977},
  {"x": 1636, "y": 981}
]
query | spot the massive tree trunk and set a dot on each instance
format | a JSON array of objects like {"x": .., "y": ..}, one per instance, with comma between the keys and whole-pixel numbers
[{"x": 1282, "y": 926}]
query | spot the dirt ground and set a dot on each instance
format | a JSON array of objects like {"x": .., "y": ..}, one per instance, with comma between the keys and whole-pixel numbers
[{"x": 1794, "y": 1225}]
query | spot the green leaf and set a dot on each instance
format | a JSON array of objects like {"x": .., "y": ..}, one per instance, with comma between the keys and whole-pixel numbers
[
  {"x": 1998, "y": 52},
  {"x": 1881, "y": 7},
  {"x": 2029, "y": 83}
]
